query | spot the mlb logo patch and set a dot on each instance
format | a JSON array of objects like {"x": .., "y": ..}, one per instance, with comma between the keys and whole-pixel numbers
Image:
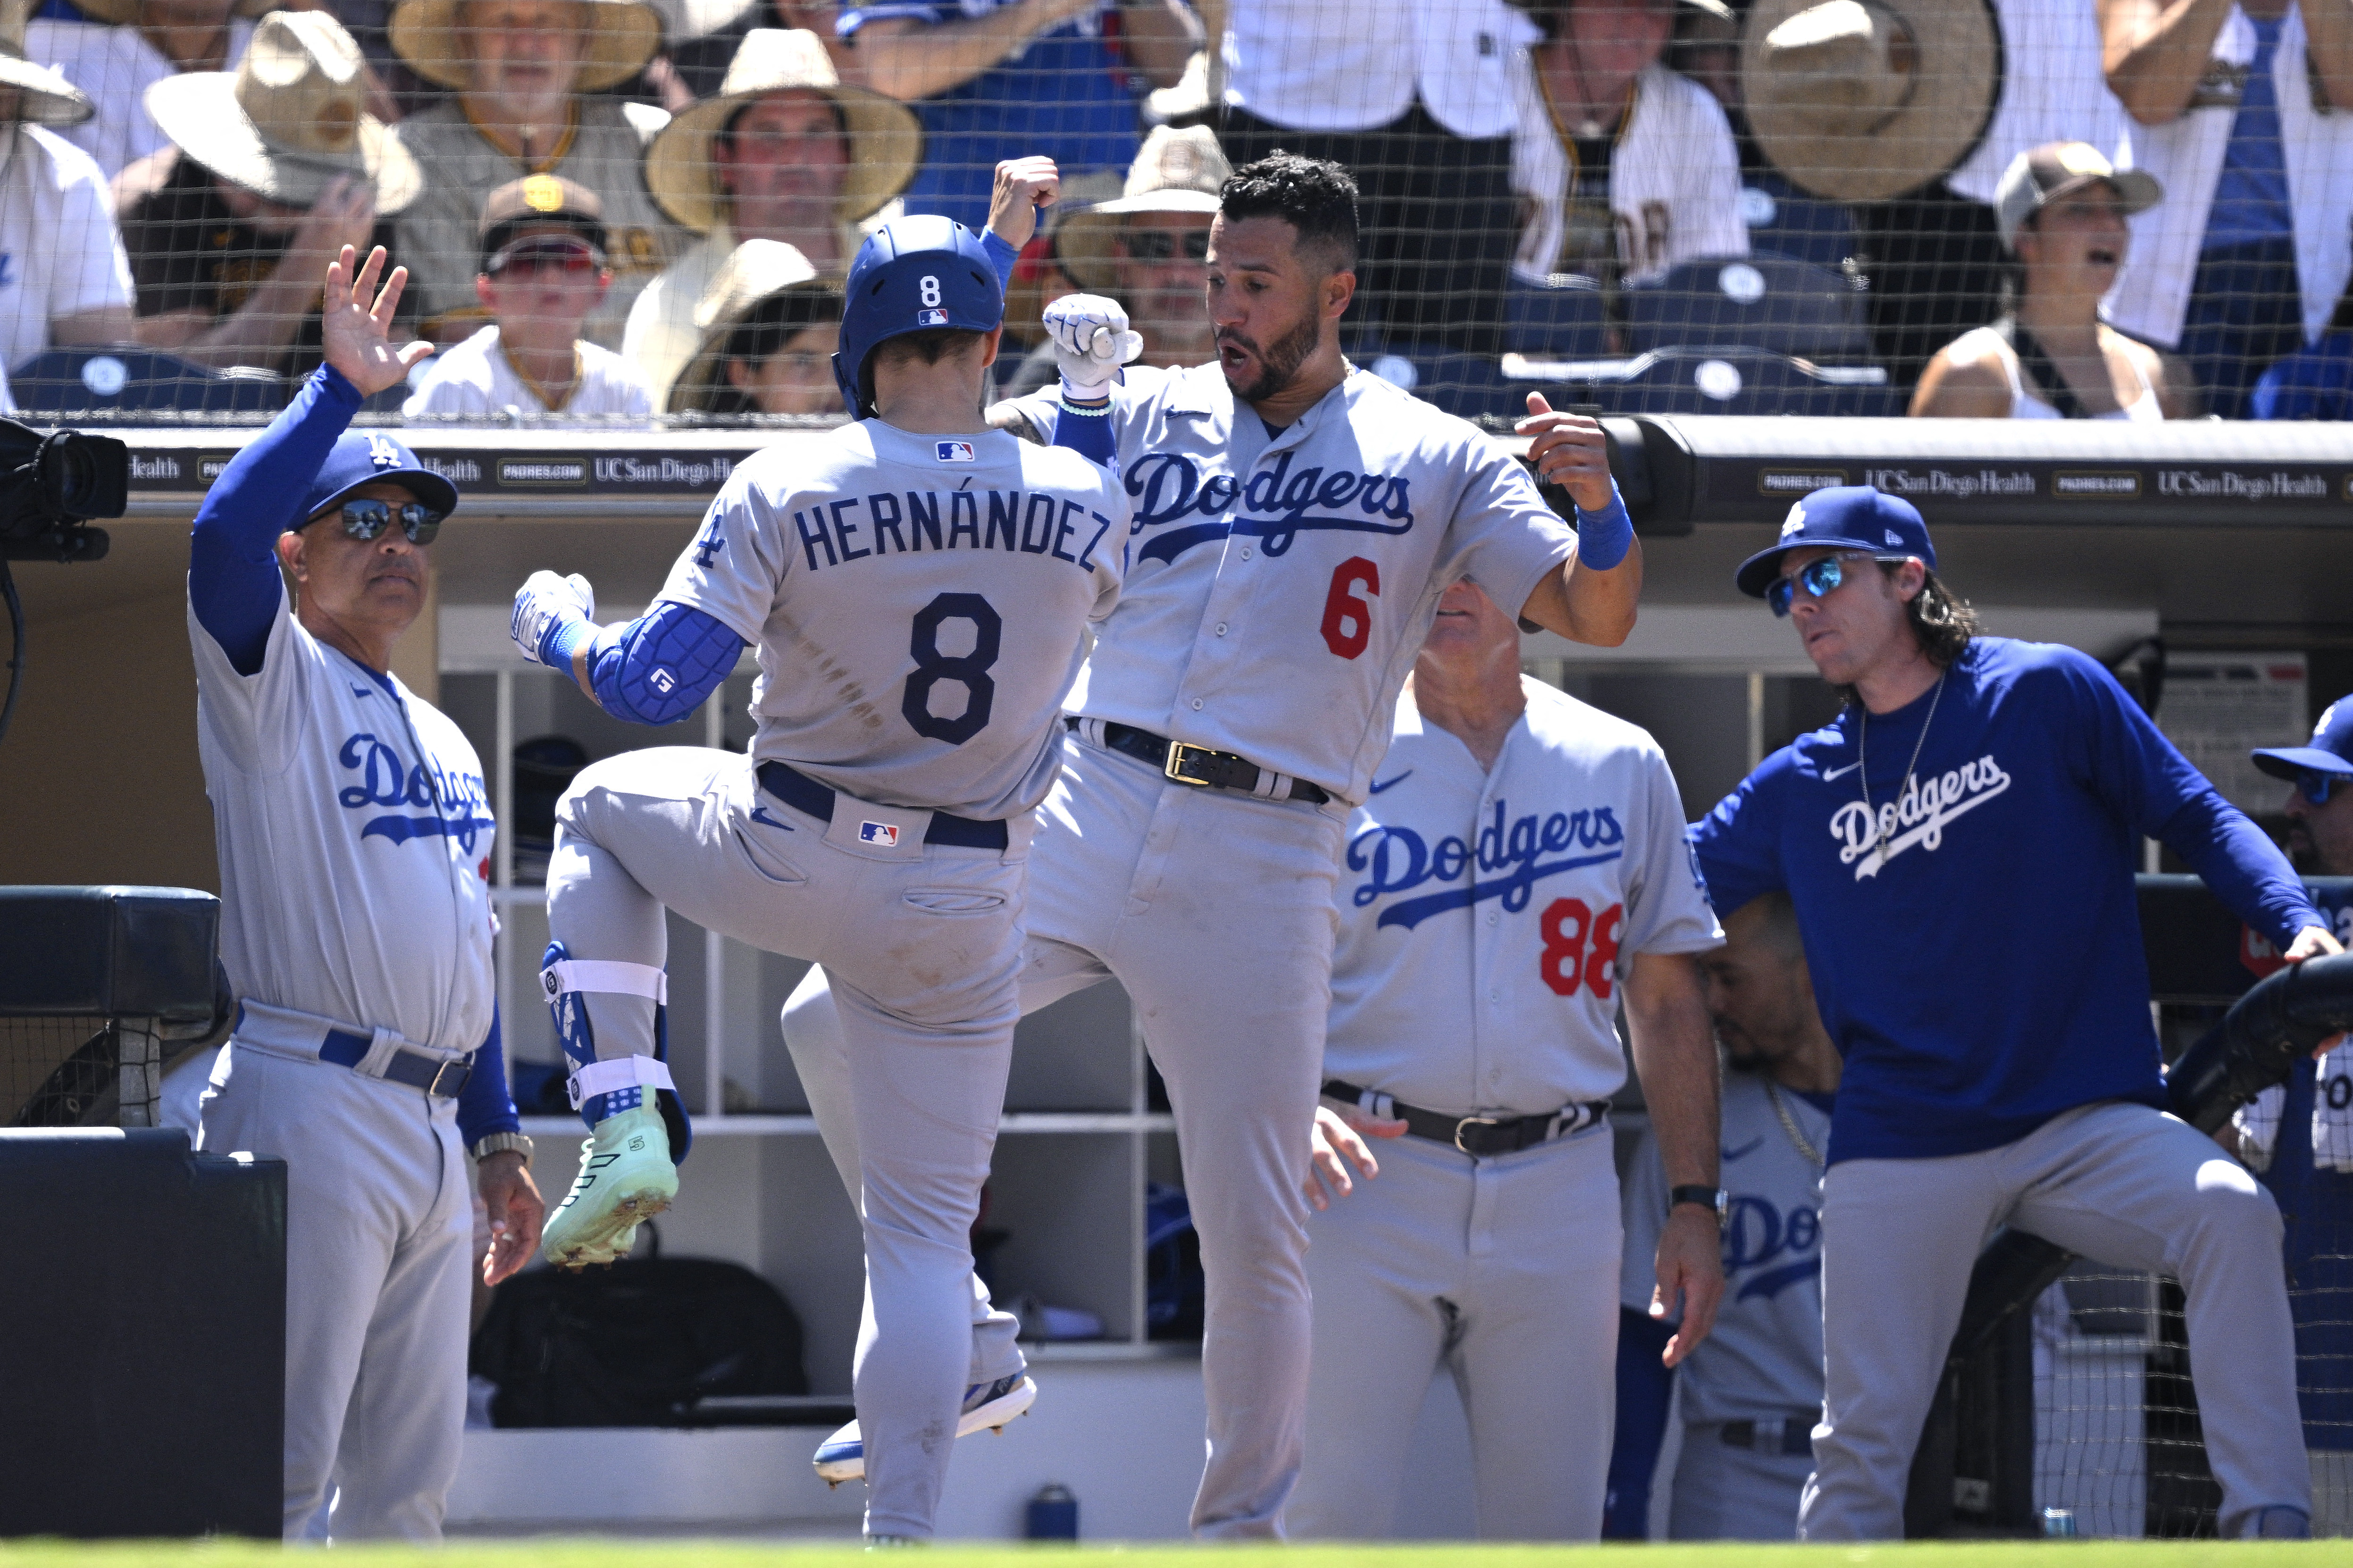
[
  {"x": 883, "y": 832},
  {"x": 954, "y": 451},
  {"x": 931, "y": 318}
]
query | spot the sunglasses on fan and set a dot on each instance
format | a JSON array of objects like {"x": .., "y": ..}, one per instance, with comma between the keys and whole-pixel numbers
[{"x": 1160, "y": 244}]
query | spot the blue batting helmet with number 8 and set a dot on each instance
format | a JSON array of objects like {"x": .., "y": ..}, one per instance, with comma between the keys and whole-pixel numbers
[{"x": 912, "y": 275}]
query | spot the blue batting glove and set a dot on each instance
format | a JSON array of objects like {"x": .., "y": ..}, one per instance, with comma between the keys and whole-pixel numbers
[{"x": 551, "y": 614}]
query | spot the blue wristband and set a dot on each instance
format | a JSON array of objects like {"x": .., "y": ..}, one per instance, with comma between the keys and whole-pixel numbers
[
  {"x": 564, "y": 639},
  {"x": 1603, "y": 537}
]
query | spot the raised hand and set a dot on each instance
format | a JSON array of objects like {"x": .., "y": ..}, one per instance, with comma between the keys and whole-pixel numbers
[
  {"x": 1024, "y": 187},
  {"x": 1569, "y": 450},
  {"x": 355, "y": 335},
  {"x": 1092, "y": 340}
]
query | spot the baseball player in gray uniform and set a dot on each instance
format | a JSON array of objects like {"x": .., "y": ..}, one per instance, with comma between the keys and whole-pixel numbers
[
  {"x": 1752, "y": 1393},
  {"x": 1295, "y": 522},
  {"x": 1517, "y": 874},
  {"x": 918, "y": 587},
  {"x": 354, "y": 849}
]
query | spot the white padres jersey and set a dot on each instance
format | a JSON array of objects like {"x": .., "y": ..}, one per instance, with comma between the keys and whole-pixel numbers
[
  {"x": 354, "y": 837},
  {"x": 1279, "y": 586},
  {"x": 1487, "y": 917},
  {"x": 1763, "y": 1360},
  {"x": 920, "y": 605},
  {"x": 476, "y": 378}
]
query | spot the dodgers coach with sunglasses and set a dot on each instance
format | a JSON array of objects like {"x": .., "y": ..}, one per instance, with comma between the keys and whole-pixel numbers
[
  {"x": 1959, "y": 844},
  {"x": 355, "y": 837}
]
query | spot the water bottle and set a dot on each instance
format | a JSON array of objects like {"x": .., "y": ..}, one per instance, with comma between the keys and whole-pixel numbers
[{"x": 2057, "y": 1522}]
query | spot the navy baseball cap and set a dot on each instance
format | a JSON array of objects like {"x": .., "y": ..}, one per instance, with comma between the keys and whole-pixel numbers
[
  {"x": 2331, "y": 751},
  {"x": 363, "y": 458},
  {"x": 1843, "y": 516}
]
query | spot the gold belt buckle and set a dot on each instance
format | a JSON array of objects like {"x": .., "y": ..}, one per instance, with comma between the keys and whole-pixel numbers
[
  {"x": 1473, "y": 1121},
  {"x": 1176, "y": 750}
]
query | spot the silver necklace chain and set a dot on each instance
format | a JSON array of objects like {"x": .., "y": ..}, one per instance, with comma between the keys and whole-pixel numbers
[
  {"x": 1862, "y": 765},
  {"x": 1789, "y": 1125}
]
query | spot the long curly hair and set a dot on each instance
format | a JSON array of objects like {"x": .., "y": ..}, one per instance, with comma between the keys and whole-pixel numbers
[{"x": 1942, "y": 622}]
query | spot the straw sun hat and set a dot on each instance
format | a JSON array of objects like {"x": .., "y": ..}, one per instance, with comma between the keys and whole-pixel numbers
[
  {"x": 1175, "y": 172},
  {"x": 622, "y": 36}
]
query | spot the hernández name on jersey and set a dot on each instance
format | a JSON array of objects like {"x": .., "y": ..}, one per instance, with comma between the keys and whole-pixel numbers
[
  {"x": 1506, "y": 862},
  {"x": 1168, "y": 490},
  {"x": 1032, "y": 523}
]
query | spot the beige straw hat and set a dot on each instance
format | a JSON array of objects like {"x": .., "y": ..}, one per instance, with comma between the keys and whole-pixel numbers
[
  {"x": 622, "y": 36},
  {"x": 125, "y": 13},
  {"x": 756, "y": 273},
  {"x": 886, "y": 140},
  {"x": 1863, "y": 101},
  {"x": 290, "y": 119},
  {"x": 1175, "y": 172},
  {"x": 50, "y": 98}
]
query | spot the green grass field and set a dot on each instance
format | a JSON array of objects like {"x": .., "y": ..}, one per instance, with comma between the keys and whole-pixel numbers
[{"x": 556, "y": 1552}]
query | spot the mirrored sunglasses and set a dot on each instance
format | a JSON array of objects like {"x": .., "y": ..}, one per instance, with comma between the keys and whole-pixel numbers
[
  {"x": 2316, "y": 786},
  {"x": 365, "y": 518},
  {"x": 1818, "y": 577},
  {"x": 1160, "y": 244},
  {"x": 536, "y": 256}
]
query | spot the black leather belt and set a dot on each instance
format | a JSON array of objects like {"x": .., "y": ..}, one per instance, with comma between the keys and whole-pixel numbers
[
  {"x": 1797, "y": 1433},
  {"x": 804, "y": 794},
  {"x": 441, "y": 1078},
  {"x": 1198, "y": 765},
  {"x": 1481, "y": 1137}
]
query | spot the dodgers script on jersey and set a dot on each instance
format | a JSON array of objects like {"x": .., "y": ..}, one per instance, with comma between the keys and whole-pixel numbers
[
  {"x": 1764, "y": 1357},
  {"x": 354, "y": 837},
  {"x": 1486, "y": 918},
  {"x": 1279, "y": 583},
  {"x": 915, "y": 601}
]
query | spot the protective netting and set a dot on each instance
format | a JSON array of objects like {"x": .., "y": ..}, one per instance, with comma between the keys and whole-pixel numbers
[
  {"x": 1666, "y": 206},
  {"x": 55, "y": 1072}
]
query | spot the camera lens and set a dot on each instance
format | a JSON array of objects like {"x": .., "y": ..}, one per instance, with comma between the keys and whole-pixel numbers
[{"x": 82, "y": 477}]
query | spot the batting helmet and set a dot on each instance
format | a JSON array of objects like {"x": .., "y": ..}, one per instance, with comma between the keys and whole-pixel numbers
[{"x": 912, "y": 275}]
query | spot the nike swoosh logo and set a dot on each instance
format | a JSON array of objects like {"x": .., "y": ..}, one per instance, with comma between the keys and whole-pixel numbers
[
  {"x": 760, "y": 814},
  {"x": 1747, "y": 1148},
  {"x": 362, "y": 691},
  {"x": 1380, "y": 785},
  {"x": 1839, "y": 773}
]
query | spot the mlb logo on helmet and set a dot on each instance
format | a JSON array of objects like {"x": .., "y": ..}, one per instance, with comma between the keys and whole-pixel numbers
[
  {"x": 931, "y": 318},
  {"x": 954, "y": 451},
  {"x": 883, "y": 832}
]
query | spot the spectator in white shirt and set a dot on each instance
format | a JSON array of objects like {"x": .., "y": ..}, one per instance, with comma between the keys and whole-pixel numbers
[
  {"x": 127, "y": 47},
  {"x": 1415, "y": 98},
  {"x": 63, "y": 277},
  {"x": 1628, "y": 167},
  {"x": 544, "y": 270}
]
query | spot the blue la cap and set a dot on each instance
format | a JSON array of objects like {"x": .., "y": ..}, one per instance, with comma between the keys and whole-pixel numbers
[
  {"x": 1845, "y": 517},
  {"x": 2331, "y": 751},
  {"x": 363, "y": 458}
]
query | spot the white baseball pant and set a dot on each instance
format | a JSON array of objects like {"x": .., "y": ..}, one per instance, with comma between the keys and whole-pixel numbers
[
  {"x": 1214, "y": 910},
  {"x": 378, "y": 1223},
  {"x": 1727, "y": 1493},
  {"x": 2124, "y": 1184},
  {"x": 926, "y": 941},
  {"x": 1503, "y": 1272}
]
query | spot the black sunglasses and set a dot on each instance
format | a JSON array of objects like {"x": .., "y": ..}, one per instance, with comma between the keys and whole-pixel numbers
[
  {"x": 2316, "y": 786},
  {"x": 1160, "y": 244},
  {"x": 365, "y": 518}
]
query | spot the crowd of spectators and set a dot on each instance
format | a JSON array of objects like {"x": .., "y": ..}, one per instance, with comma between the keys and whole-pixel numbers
[{"x": 177, "y": 172}]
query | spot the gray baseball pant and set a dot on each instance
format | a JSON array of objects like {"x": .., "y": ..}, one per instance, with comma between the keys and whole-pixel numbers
[
  {"x": 2124, "y": 1184},
  {"x": 926, "y": 941},
  {"x": 378, "y": 1227},
  {"x": 1727, "y": 1493},
  {"x": 1214, "y": 910},
  {"x": 1503, "y": 1272}
]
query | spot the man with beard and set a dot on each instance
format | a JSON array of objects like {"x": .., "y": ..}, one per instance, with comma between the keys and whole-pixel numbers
[
  {"x": 1296, "y": 521},
  {"x": 1753, "y": 1389}
]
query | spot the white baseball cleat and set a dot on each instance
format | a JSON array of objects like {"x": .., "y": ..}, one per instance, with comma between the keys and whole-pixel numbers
[
  {"x": 626, "y": 1177},
  {"x": 842, "y": 1457}
]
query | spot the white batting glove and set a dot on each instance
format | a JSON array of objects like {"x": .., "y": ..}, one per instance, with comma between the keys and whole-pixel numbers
[
  {"x": 1090, "y": 342},
  {"x": 544, "y": 603}
]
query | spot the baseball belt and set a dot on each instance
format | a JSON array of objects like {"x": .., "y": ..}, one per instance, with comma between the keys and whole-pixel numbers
[
  {"x": 282, "y": 1029},
  {"x": 1198, "y": 765},
  {"x": 805, "y": 795},
  {"x": 1794, "y": 1434},
  {"x": 1481, "y": 1137}
]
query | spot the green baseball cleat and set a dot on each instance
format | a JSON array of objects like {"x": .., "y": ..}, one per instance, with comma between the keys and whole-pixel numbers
[{"x": 626, "y": 1177}]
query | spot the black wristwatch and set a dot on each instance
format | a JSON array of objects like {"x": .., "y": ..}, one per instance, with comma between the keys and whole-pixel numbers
[{"x": 1712, "y": 1199}]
